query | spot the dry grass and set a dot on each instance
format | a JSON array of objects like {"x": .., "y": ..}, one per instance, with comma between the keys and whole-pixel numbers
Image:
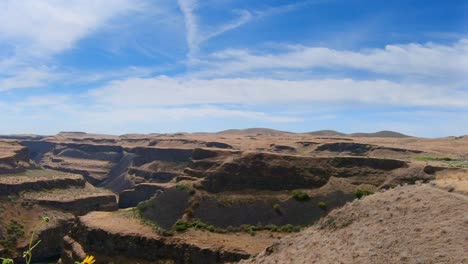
[{"x": 458, "y": 180}]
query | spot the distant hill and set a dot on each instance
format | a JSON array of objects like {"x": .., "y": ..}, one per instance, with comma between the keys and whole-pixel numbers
[
  {"x": 385, "y": 133},
  {"x": 332, "y": 133},
  {"x": 253, "y": 132},
  {"x": 23, "y": 137},
  {"x": 326, "y": 133},
  {"x": 321, "y": 133}
]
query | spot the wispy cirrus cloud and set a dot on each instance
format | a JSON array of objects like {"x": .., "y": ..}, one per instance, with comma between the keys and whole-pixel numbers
[
  {"x": 413, "y": 59},
  {"x": 168, "y": 91},
  {"x": 25, "y": 78},
  {"x": 195, "y": 35}
]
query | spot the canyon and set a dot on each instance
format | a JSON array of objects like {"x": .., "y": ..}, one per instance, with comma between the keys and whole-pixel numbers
[{"x": 254, "y": 195}]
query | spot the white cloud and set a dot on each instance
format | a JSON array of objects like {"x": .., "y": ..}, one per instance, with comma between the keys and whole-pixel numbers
[
  {"x": 33, "y": 31},
  {"x": 50, "y": 26},
  {"x": 178, "y": 114},
  {"x": 195, "y": 35},
  {"x": 166, "y": 91},
  {"x": 433, "y": 60},
  {"x": 26, "y": 78},
  {"x": 191, "y": 24},
  {"x": 245, "y": 16}
]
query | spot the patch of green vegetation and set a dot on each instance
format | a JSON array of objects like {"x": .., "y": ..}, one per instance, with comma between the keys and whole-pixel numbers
[
  {"x": 189, "y": 212},
  {"x": 277, "y": 208},
  {"x": 182, "y": 187},
  {"x": 300, "y": 196},
  {"x": 361, "y": 193},
  {"x": 11, "y": 198},
  {"x": 34, "y": 173},
  {"x": 14, "y": 231},
  {"x": 137, "y": 213},
  {"x": 427, "y": 158},
  {"x": 289, "y": 228},
  {"x": 449, "y": 161},
  {"x": 141, "y": 207},
  {"x": 182, "y": 226},
  {"x": 322, "y": 205}
]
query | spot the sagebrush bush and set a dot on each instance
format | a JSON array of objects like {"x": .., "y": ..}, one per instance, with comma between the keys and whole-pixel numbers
[
  {"x": 300, "y": 195},
  {"x": 322, "y": 205},
  {"x": 361, "y": 193},
  {"x": 277, "y": 208}
]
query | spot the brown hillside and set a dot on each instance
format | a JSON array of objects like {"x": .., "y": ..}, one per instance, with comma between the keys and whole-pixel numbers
[{"x": 411, "y": 224}]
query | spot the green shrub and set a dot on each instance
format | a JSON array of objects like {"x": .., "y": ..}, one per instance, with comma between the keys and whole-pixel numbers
[
  {"x": 189, "y": 212},
  {"x": 14, "y": 231},
  {"x": 322, "y": 205},
  {"x": 277, "y": 208},
  {"x": 141, "y": 207},
  {"x": 289, "y": 228},
  {"x": 182, "y": 226},
  {"x": 361, "y": 193},
  {"x": 11, "y": 198},
  {"x": 300, "y": 196},
  {"x": 211, "y": 228},
  {"x": 426, "y": 158},
  {"x": 181, "y": 187},
  {"x": 200, "y": 225}
]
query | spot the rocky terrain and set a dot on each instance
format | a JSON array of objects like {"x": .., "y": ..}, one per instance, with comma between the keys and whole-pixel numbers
[
  {"x": 410, "y": 224},
  {"x": 227, "y": 196}
]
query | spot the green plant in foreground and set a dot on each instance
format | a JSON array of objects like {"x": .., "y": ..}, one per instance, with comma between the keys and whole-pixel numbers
[
  {"x": 28, "y": 254},
  {"x": 361, "y": 193}
]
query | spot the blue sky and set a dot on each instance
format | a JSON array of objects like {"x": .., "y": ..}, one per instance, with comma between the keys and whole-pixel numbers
[{"x": 143, "y": 66}]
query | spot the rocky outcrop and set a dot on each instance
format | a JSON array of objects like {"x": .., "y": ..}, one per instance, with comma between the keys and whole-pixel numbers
[
  {"x": 128, "y": 239},
  {"x": 146, "y": 154},
  {"x": 352, "y": 148},
  {"x": 51, "y": 239},
  {"x": 14, "y": 157},
  {"x": 38, "y": 148},
  {"x": 361, "y": 149},
  {"x": 166, "y": 208},
  {"x": 71, "y": 251},
  {"x": 282, "y": 148},
  {"x": 139, "y": 193},
  {"x": 267, "y": 171},
  {"x": 215, "y": 144},
  {"x": 224, "y": 212},
  {"x": 37, "y": 180},
  {"x": 81, "y": 205},
  {"x": 153, "y": 176}
]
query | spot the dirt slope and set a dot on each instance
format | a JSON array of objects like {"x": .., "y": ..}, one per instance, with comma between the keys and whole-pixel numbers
[{"x": 411, "y": 224}]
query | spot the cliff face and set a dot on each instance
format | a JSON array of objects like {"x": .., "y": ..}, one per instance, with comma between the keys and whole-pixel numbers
[
  {"x": 13, "y": 157},
  {"x": 123, "y": 239},
  {"x": 283, "y": 172},
  {"x": 108, "y": 165},
  {"x": 236, "y": 194}
]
